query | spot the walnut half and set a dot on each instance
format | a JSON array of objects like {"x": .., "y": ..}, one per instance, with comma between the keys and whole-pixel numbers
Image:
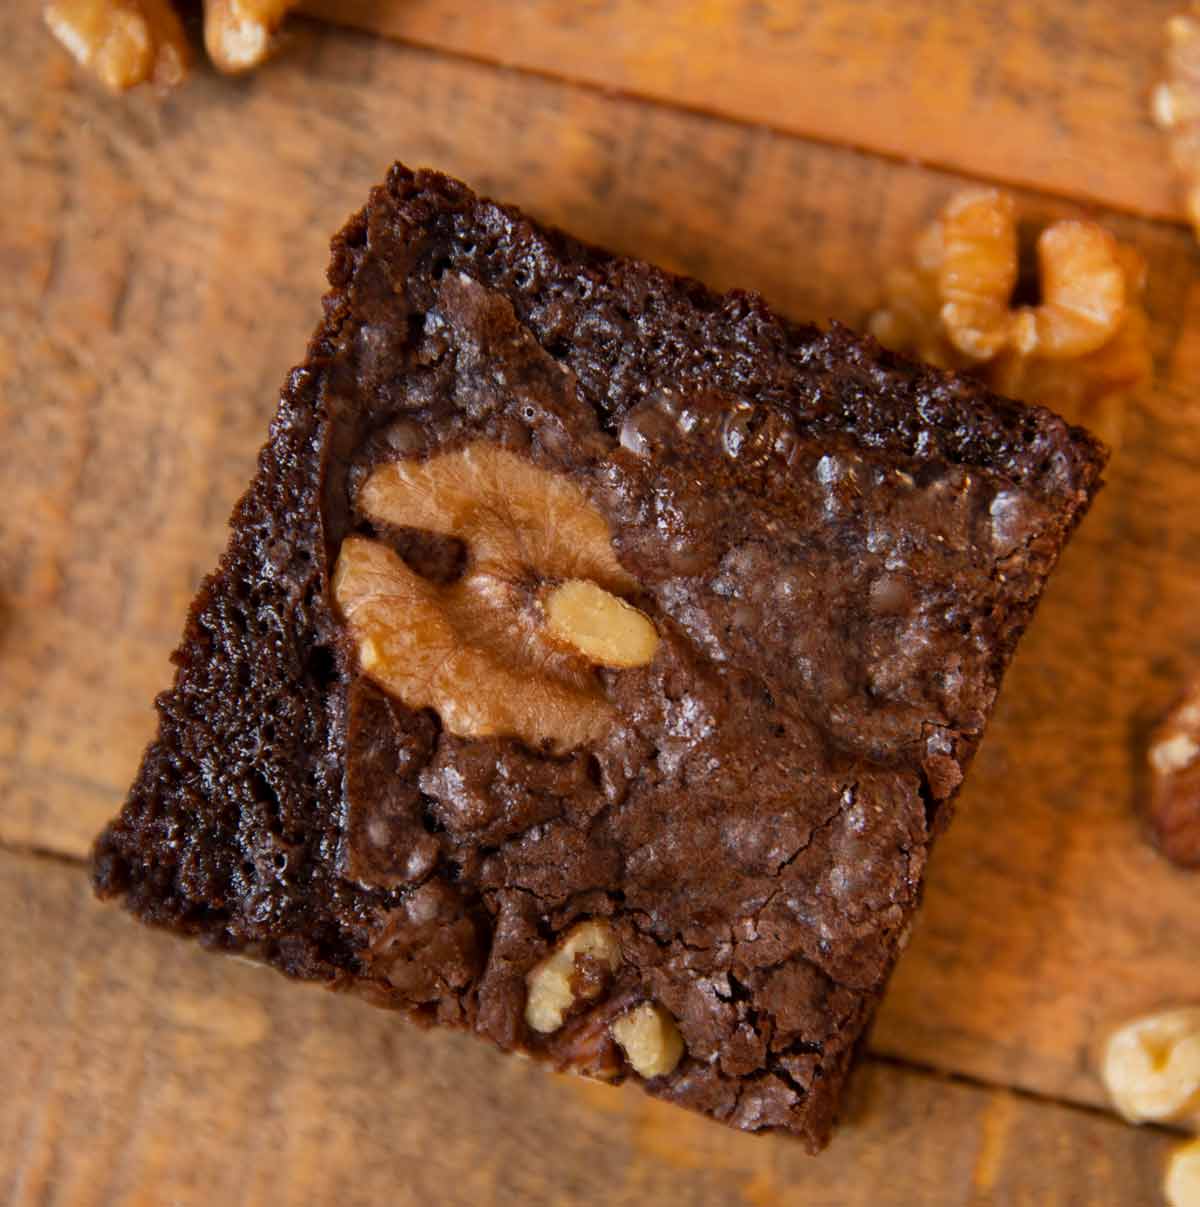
[
  {"x": 1181, "y": 1186},
  {"x": 239, "y": 34},
  {"x": 122, "y": 42},
  {"x": 1080, "y": 349},
  {"x": 511, "y": 647}
]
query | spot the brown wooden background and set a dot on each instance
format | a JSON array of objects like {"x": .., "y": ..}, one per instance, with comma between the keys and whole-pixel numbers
[{"x": 160, "y": 268}]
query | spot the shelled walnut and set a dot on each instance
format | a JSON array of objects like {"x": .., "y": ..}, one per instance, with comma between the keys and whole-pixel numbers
[
  {"x": 1151, "y": 1066},
  {"x": 1176, "y": 104},
  {"x": 1151, "y": 1070},
  {"x": 128, "y": 42},
  {"x": 122, "y": 42},
  {"x": 239, "y": 34},
  {"x": 650, "y": 1039},
  {"x": 1079, "y": 349},
  {"x": 1181, "y": 1186},
  {"x": 556, "y": 984},
  {"x": 510, "y": 648},
  {"x": 1173, "y": 805}
]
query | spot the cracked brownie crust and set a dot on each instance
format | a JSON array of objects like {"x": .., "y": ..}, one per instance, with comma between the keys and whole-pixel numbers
[{"x": 837, "y": 549}]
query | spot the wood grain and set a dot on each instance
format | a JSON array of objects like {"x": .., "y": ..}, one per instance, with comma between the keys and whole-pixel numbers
[
  {"x": 1046, "y": 95},
  {"x": 154, "y": 1073},
  {"x": 162, "y": 270}
]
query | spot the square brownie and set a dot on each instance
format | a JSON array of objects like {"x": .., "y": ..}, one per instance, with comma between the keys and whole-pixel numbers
[{"x": 593, "y": 660}]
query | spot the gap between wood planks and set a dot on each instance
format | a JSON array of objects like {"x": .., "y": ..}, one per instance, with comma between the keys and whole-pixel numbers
[
  {"x": 1053, "y": 84},
  {"x": 622, "y": 93},
  {"x": 918, "y": 1068}
]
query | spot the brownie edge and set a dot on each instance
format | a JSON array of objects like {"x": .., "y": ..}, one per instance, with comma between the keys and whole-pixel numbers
[{"x": 839, "y": 550}]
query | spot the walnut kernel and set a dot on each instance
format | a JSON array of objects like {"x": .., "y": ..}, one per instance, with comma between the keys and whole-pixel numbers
[
  {"x": 122, "y": 42},
  {"x": 1173, "y": 807},
  {"x": 599, "y": 625},
  {"x": 239, "y": 34},
  {"x": 1151, "y": 1066},
  {"x": 552, "y": 986},
  {"x": 1080, "y": 350},
  {"x": 1175, "y": 104},
  {"x": 508, "y": 649},
  {"x": 1181, "y": 1186},
  {"x": 650, "y": 1039}
]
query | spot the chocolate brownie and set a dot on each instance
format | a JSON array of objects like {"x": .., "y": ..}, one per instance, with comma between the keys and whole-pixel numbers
[{"x": 593, "y": 660}]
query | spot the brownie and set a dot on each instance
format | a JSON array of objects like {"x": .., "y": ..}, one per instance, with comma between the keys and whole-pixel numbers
[{"x": 381, "y": 767}]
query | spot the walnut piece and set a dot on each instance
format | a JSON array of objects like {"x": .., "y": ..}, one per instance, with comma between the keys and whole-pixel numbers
[
  {"x": 650, "y": 1039},
  {"x": 507, "y": 649},
  {"x": 1083, "y": 293},
  {"x": 1151, "y": 1066},
  {"x": 553, "y": 986},
  {"x": 1080, "y": 349},
  {"x": 599, "y": 625},
  {"x": 239, "y": 34},
  {"x": 122, "y": 42},
  {"x": 1173, "y": 808},
  {"x": 977, "y": 271},
  {"x": 1181, "y": 1186},
  {"x": 1176, "y": 104},
  {"x": 127, "y": 42}
]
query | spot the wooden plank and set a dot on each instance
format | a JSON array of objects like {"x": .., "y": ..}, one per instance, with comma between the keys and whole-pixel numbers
[
  {"x": 163, "y": 271},
  {"x": 1044, "y": 95},
  {"x": 153, "y": 1073}
]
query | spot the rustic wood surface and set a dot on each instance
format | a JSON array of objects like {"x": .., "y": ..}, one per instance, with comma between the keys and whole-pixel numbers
[
  {"x": 1048, "y": 95},
  {"x": 160, "y": 269},
  {"x": 228, "y": 1085}
]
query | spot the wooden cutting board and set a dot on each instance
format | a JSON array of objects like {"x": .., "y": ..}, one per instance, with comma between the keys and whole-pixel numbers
[{"x": 162, "y": 266}]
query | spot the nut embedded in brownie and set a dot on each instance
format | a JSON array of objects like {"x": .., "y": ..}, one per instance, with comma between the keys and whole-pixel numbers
[{"x": 593, "y": 660}]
